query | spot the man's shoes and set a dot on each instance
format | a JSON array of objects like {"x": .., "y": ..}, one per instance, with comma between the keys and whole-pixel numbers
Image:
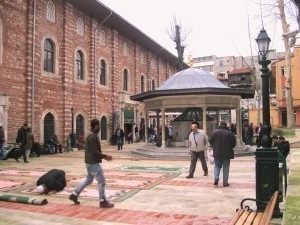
[
  {"x": 106, "y": 204},
  {"x": 216, "y": 183},
  {"x": 189, "y": 176},
  {"x": 26, "y": 161},
  {"x": 17, "y": 159},
  {"x": 74, "y": 198},
  {"x": 206, "y": 174},
  {"x": 226, "y": 185}
]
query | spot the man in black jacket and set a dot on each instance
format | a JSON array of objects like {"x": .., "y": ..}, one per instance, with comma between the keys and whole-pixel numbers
[
  {"x": 93, "y": 156},
  {"x": 223, "y": 141},
  {"x": 283, "y": 146},
  {"x": 21, "y": 140},
  {"x": 54, "y": 180}
]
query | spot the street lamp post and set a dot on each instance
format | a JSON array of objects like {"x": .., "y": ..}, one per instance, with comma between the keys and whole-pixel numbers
[
  {"x": 267, "y": 165},
  {"x": 72, "y": 136}
]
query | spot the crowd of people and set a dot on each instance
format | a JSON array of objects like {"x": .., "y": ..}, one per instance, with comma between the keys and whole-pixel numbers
[{"x": 222, "y": 141}]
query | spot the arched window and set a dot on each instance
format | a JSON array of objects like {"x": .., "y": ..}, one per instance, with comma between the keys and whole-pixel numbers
[
  {"x": 125, "y": 80},
  {"x": 79, "y": 65},
  {"x": 153, "y": 84},
  {"x": 142, "y": 84},
  {"x": 102, "y": 38},
  {"x": 80, "y": 26},
  {"x": 51, "y": 11},
  {"x": 102, "y": 72},
  {"x": 79, "y": 126},
  {"x": 49, "y": 126},
  {"x": 48, "y": 56},
  {"x": 103, "y": 128}
]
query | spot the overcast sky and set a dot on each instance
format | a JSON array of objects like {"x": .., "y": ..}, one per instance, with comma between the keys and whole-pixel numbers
[{"x": 217, "y": 27}]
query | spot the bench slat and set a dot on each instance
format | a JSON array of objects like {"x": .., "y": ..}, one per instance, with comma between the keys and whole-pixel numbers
[
  {"x": 257, "y": 219},
  {"x": 250, "y": 218},
  {"x": 236, "y": 217},
  {"x": 268, "y": 213},
  {"x": 244, "y": 217}
]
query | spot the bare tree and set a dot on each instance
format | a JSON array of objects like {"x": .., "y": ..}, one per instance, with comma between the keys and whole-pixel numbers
[
  {"x": 284, "y": 11},
  {"x": 288, "y": 38},
  {"x": 179, "y": 36}
]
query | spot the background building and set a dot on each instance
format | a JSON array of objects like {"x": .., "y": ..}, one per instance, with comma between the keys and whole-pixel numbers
[{"x": 61, "y": 55}]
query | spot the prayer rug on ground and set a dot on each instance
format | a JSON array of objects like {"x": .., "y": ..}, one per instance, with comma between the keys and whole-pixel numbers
[{"x": 121, "y": 183}]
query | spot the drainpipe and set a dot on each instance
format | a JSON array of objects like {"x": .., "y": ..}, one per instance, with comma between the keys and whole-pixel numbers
[
  {"x": 32, "y": 75},
  {"x": 95, "y": 61}
]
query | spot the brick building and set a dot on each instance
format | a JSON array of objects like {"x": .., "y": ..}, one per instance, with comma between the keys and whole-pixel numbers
[{"x": 61, "y": 54}]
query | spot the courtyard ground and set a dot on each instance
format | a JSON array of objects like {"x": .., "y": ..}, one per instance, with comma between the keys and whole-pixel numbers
[{"x": 145, "y": 191}]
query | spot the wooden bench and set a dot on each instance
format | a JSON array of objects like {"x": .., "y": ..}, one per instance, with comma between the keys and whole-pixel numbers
[{"x": 245, "y": 215}]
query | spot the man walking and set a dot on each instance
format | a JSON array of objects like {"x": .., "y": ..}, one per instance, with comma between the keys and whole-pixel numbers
[
  {"x": 22, "y": 140},
  {"x": 93, "y": 156},
  {"x": 223, "y": 141},
  {"x": 198, "y": 141},
  {"x": 119, "y": 134}
]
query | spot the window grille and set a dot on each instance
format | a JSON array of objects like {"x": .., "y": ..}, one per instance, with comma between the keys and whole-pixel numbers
[
  {"x": 49, "y": 126},
  {"x": 48, "y": 56},
  {"x": 79, "y": 65},
  {"x": 79, "y": 126},
  {"x": 103, "y": 128}
]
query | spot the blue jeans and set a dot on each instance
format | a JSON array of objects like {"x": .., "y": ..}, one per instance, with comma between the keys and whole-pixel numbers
[
  {"x": 94, "y": 171},
  {"x": 219, "y": 163}
]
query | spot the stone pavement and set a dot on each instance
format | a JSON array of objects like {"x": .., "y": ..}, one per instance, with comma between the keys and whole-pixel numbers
[{"x": 145, "y": 191}]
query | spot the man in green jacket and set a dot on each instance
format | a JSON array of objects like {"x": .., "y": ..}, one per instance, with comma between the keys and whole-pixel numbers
[{"x": 93, "y": 156}]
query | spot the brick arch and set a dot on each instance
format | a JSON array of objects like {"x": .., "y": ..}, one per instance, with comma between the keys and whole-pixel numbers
[
  {"x": 102, "y": 126},
  {"x": 56, "y": 54},
  {"x": 128, "y": 79},
  {"x": 56, "y": 123},
  {"x": 107, "y": 75},
  {"x": 85, "y": 120},
  {"x": 155, "y": 84},
  {"x": 85, "y": 65}
]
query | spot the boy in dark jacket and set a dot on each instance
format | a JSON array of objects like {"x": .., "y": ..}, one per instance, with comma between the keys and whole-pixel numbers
[{"x": 283, "y": 146}]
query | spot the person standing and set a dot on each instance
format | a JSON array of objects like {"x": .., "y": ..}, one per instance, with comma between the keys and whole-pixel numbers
[
  {"x": 259, "y": 134},
  {"x": 56, "y": 143},
  {"x": 29, "y": 143},
  {"x": 195, "y": 122},
  {"x": 93, "y": 156},
  {"x": 198, "y": 141},
  {"x": 151, "y": 133},
  {"x": 249, "y": 134},
  {"x": 137, "y": 136},
  {"x": 223, "y": 141},
  {"x": 22, "y": 140},
  {"x": 283, "y": 146},
  {"x": 119, "y": 134},
  {"x": 2, "y": 141}
]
